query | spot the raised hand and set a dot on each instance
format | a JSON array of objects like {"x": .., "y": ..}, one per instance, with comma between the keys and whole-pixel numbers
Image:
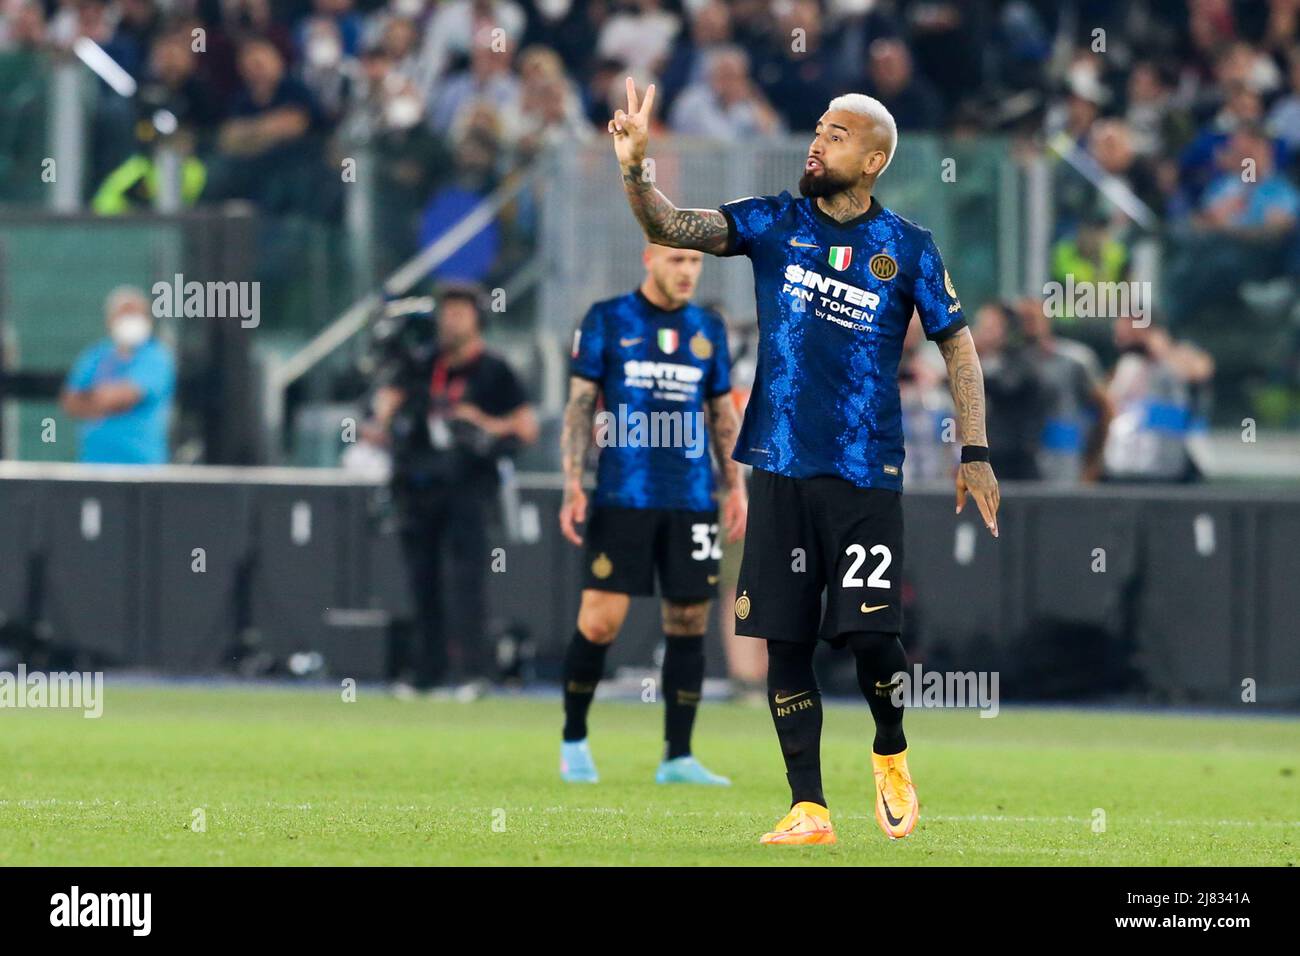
[{"x": 631, "y": 127}]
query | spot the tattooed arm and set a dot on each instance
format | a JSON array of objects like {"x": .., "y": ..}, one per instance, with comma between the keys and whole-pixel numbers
[
  {"x": 574, "y": 441},
  {"x": 724, "y": 426},
  {"x": 666, "y": 225},
  {"x": 662, "y": 222},
  {"x": 966, "y": 381}
]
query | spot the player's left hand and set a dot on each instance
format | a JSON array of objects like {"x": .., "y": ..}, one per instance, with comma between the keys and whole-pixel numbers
[
  {"x": 573, "y": 511},
  {"x": 977, "y": 478},
  {"x": 735, "y": 513}
]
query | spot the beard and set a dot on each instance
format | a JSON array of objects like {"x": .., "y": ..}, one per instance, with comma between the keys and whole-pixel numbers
[
  {"x": 827, "y": 183},
  {"x": 669, "y": 291}
]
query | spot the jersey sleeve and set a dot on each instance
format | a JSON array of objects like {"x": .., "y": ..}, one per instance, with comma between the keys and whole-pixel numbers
[
  {"x": 935, "y": 295},
  {"x": 588, "y": 353},
  {"x": 747, "y": 221},
  {"x": 719, "y": 380}
]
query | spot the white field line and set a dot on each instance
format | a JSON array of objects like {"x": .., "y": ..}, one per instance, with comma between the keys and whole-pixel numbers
[{"x": 666, "y": 814}]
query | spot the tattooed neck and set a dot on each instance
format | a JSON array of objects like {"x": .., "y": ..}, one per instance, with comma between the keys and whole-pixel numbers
[{"x": 845, "y": 205}]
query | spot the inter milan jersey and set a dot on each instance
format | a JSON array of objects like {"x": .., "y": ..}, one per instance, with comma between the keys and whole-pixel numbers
[
  {"x": 656, "y": 370},
  {"x": 834, "y": 301}
]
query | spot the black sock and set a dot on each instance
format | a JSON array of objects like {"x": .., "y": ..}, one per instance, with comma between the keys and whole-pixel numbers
[
  {"x": 796, "y": 705},
  {"x": 683, "y": 679},
  {"x": 879, "y": 657},
  {"x": 584, "y": 663}
]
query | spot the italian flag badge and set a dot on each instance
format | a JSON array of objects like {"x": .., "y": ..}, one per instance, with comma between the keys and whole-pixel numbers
[
  {"x": 840, "y": 257},
  {"x": 668, "y": 340}
]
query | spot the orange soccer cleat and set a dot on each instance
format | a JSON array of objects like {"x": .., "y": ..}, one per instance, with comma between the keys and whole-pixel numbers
[
  {"x": 807, "y": 824},
  {"x": 897, "y": 807}
]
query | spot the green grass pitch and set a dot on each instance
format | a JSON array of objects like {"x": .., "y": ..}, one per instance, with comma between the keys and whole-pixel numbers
[{"x": 301, "y": 777}]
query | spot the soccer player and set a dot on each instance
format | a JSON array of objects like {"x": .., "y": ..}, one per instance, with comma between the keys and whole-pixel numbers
[
  {"x": 661, "y": 365},
  {"x": 837, "y": 278}
]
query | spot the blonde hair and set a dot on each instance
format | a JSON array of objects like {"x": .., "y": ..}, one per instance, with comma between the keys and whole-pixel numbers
[{"x": 874, "y": 110}]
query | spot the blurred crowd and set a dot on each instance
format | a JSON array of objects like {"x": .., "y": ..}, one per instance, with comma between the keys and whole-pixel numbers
[
  {"x": 1170, "y": 118},
  {"x": 1054, "y": 411}
]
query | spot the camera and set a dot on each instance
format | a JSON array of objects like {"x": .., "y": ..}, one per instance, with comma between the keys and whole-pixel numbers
[{"x": 403, "y": 341}]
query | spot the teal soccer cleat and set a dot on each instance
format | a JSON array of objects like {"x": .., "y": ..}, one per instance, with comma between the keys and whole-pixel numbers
[
  {"x": 576, "y": 765},
  {"x": 689, "y": 770}
]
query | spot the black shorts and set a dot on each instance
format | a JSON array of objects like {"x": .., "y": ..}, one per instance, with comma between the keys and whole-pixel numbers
[
  {"x": 625, "y": 546},
  {"x": 807, "y": 536}
]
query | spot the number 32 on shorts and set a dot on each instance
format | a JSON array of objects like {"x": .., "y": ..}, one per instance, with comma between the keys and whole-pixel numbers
[
  {"x": 710, "y": 543},
  {"x": 877, "y": 577}
]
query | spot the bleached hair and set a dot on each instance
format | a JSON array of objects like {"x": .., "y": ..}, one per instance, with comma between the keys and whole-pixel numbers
[{"x": 875, "y": 110}]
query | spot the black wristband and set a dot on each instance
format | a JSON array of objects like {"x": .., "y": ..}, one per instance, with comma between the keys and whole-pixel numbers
[{"x": 974, "y": 453}]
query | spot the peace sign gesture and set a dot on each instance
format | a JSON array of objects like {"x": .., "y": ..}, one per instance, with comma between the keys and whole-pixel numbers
[{"x": 631, "y": 128}]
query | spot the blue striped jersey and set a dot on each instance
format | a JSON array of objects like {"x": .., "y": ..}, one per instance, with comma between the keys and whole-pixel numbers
[
  {"x": 834, "y": 302},
  {"x": 656, "y": 370}
]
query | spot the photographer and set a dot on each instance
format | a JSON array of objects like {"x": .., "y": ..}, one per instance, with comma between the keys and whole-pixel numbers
[{"x": 450, "y": 411}]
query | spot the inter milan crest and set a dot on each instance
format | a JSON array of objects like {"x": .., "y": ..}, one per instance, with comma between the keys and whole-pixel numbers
[
  {"x": 743, "y": 605},
  {"x": 883, "y": 266},
  {"x": 840, "y": 257},
  {"x": 668, "y": 341},
  {"x": 602, "y": 567},
  {"x": 701, "y": 347}
]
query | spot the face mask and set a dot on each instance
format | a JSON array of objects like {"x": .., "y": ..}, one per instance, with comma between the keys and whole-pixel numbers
[
  {"x": 553, "y": 9},
  {"x": 402, "y": 112},
  {"x": 324, "y": 51},
  {"x": 131, "y": 330}
]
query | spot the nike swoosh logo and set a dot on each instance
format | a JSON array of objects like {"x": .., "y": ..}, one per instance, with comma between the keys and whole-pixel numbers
[
  {"x": 785, "y": 700},
  {"x": 803, "y": 245},
  {"x": 884, "y": 685},
  {"x": 893, "y": 820},
  {"x": 875, "y": 607},
  {"x": 627, "y": 342}
]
